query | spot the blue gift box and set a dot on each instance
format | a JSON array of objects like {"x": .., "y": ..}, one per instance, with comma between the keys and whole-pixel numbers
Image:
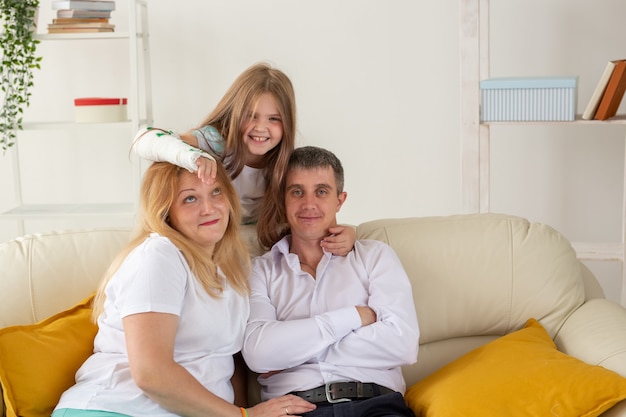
[{"x": 528, "y": 99}]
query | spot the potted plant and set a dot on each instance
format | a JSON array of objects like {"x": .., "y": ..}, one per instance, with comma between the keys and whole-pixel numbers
[{"x": 18, "y": 46}]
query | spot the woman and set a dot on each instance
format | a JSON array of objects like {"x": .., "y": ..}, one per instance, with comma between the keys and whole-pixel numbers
[{"x": 172, "y": 309}]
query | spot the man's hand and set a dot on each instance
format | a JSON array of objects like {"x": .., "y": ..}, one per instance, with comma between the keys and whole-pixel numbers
[{"x": 368, "y": 316}]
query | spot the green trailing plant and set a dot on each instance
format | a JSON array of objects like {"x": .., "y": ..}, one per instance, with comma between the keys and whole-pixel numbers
[{"x": 19, "y": 60}]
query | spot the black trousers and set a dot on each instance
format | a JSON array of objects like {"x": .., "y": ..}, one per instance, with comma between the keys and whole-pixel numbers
[{"x": 389, "y": 405}]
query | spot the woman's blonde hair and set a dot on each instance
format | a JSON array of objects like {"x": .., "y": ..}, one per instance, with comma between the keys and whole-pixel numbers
[
  {"x": 158, "y": 191},
  {"x": 229, "y": 118}
]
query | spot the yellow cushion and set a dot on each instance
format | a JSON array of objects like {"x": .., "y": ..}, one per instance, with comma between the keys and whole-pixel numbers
[
  {"x": 520, "y": 374},
  {"x": 38, "y": 362}
]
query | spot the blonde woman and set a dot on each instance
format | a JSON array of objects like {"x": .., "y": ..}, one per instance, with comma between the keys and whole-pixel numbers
[{"x": 172, "y": 309}]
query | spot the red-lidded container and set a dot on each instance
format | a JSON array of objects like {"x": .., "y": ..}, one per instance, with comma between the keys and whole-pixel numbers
[{"x": 100, "y": 110}]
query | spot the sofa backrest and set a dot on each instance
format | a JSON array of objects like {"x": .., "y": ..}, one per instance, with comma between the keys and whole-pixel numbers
[
  {"x": 45, "y": 273},
  {"x": 483, "y": 274},
  {"x": 477, "y": 277}
]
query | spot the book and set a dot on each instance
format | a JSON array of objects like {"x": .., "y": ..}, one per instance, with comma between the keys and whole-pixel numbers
[
  {"x": 71, "y": 13},
  {"x": 80, "y": 25},
  {"x": 78, "y": 30},
  {"x": 106, "y": 5},
  {"x": 614, "y": 92},
  {"x": 594, "y": 101},
  {"x": 72, "y": 20}
]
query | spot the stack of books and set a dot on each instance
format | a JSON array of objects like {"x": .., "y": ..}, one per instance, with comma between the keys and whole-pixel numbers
[
  {"x": 609, "y": 92},
  {"x": 80, "y": 16}
]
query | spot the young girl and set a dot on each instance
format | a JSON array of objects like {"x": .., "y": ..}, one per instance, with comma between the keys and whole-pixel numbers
[
  {"x": 252, "y": 132},
  {"x": 172, "y": 310}
]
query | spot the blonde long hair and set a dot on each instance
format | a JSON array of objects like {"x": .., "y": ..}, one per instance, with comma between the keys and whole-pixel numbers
[
  {"x": 229, "y": 117},
  {"x": 158, "y": 190}
]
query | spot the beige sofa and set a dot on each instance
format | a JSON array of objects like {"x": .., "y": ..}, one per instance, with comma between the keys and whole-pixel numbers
[{"x": 475, "y": 278}]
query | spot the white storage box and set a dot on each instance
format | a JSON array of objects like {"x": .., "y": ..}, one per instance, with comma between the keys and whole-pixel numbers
[
  {"x": 100, "y": 110},
  {"x": 528, "y": 99}
]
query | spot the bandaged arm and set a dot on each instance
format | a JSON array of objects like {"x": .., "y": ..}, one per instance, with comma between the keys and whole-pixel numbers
[{"x": 166, "y": 146}]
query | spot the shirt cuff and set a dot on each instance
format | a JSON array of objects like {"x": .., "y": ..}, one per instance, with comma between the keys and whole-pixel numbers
[{"x": 344, "y": 321}]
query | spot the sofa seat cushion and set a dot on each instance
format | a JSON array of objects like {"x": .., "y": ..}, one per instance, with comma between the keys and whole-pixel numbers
[
  {"x": 38, "y": 362},
  {"x": 520, "y": 374}
]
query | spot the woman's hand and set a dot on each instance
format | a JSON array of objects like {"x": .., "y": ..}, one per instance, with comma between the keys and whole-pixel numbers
[{"x": 290, "y": 405}]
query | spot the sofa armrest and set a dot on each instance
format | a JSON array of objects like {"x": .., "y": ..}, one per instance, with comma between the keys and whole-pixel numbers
[
  {"x": 618, "y": 410},
  {"x": 596, "y": 334},
  {"x": 593, "y": 289}
]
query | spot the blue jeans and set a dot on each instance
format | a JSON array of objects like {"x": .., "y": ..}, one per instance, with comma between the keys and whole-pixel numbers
[{"x": 389, "y": 405}]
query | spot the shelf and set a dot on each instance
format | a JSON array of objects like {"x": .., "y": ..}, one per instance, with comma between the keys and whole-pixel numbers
[
  {"x": 617, "y": 120},
  {"x": 86, "y": 36},
  {"x": 134, "y": 42},
  {"x": 63, "y": 210},
  {"x": 476, "y": 135},
  {"x": 70, "y": 124}
]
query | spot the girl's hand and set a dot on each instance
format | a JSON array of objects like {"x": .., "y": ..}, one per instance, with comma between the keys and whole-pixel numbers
[
  {"x": 281, "y": 406},
  {"x": 207, "y": 170},
  {"x": 340, "y": 240}
]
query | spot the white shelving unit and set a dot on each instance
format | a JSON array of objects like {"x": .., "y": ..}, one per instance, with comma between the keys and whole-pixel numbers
[
  {"x": 475, "y": 135},
  {"x": 139, "y": 113}
]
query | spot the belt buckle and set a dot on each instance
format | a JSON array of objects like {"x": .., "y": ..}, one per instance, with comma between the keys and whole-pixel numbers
[{"x": 328, "y": 390}]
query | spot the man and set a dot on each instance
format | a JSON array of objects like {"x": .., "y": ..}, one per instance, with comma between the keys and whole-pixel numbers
[{"x": 333, "y": 330}]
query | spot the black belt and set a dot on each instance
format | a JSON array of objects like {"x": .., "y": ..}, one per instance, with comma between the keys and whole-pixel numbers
[{"x": 335, "y": 392}]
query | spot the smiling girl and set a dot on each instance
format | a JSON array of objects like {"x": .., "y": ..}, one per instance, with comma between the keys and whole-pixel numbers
[{"x": 252, "y": 132}]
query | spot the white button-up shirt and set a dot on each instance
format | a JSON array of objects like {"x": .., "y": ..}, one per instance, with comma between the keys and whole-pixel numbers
[{"x": 309, "y": 329}]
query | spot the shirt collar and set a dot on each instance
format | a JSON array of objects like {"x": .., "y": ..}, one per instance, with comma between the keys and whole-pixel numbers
[{"x": 281, "y": 249}]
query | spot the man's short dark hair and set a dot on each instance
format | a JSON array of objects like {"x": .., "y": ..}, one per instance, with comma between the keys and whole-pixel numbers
[{"x": 309, "y": 157}]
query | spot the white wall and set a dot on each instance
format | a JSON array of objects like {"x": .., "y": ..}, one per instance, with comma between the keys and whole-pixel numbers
[{"x": 377, "y": 82}]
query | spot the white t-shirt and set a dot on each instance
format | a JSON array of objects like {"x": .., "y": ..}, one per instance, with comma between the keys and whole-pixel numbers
[{"x": 156, "y": 278}]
